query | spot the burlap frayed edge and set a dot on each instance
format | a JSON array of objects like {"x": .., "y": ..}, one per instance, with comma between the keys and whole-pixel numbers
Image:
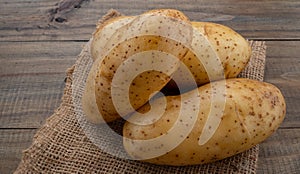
[
  {"x": 60, "y": 146},
  {"x": 109, "y": 15}
]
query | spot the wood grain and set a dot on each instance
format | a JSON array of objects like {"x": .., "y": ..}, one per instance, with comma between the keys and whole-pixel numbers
[
  {"x": 58, "y": 14},
  {"x": 278, "y": 154},
  {"x": 283, "y": 70},
  {"x": 253, "y": 19},
  {"x": 32, "y": 80},
  {"x": 12, "y": 143}
]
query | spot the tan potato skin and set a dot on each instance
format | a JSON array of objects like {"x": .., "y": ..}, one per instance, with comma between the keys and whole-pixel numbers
[
  {"x": 97, "y": 95},
  {"x": 104, "y": 31},
  {"x": 112, "y": 25},
  {"x": 232, "y": 50},
  {"x": 253, "y": 111}
]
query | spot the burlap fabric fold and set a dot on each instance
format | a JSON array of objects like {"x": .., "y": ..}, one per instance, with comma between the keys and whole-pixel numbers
[{"x": 61, "y": 145}]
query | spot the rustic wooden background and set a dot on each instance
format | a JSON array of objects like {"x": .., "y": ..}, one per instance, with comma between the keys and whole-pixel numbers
[{"x": 40, "y": 39}]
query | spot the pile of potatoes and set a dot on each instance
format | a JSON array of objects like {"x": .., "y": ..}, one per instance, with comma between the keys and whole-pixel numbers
[{"x": 214, "y": 116}]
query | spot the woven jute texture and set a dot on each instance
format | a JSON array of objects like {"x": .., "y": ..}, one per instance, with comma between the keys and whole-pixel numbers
[{"x": 65, "y": 143}]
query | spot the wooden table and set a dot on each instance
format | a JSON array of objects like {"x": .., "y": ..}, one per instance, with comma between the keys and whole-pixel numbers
[{"x": 40, "y": 39}]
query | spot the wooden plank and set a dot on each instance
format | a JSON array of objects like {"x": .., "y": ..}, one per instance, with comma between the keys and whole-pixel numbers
[
  {"x": 12, "y": 143},
  {"x": 283, "y": 70},
  {"x": 280, "y": 153},
  {"x": 32, "y": 75},
  {"x": 253, "y": 19},
  {"x": 32, "y": 80},
  {"x": 27, "y": 101}
]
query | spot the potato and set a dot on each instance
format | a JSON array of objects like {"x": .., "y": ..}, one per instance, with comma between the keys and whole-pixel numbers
[
  {"x": 253, "y": 110},
  {"x": 106, "y": 30},
  {"x": 101, "y": 37},
  {"x": 232, "y": 48},
  {"x": 229, "y": 48},
  {"x": 136, "y": 62}
]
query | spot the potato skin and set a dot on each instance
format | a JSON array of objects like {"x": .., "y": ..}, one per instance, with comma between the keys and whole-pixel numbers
[
  {"x": 231, "y": 49},
  {"x": 253, "y": 111},
  {"x": 104, "y": 31},
  {"x": 97, "y": 98}
]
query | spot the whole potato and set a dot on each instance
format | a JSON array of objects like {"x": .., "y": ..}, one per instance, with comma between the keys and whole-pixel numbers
[{"x": 253, "y": 110}]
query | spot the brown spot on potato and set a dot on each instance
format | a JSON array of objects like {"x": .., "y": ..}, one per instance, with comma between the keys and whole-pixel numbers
[{"x": 252, "y": 113}]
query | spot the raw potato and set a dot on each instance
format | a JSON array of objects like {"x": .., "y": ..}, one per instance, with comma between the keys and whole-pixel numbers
[
  {"x": 165, "y": 41},
  {"x": 125, "y": 48},
  {"x": 231, "y": 49},
  {"x": 104, "y": 31},
  {"x": 98, "y": 44},
  {"x": 253, "y": 111}
]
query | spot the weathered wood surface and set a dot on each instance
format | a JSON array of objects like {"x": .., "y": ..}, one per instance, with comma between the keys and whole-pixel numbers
[
  {"x": 12, "y": 143},
  {"x": 40, "y": 39},
  {"x": 283, "y": 70},
  {"x": 32, "y": 79},
  {"x": 280, "y": 153},
  {"x": 33, "y": 20}
]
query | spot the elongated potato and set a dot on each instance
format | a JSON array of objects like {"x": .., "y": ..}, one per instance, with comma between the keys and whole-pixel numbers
[
  {"x": 136, "y": 61},
  {"x": 253, "y": 111},
  {"x": 230, "y": 49}
]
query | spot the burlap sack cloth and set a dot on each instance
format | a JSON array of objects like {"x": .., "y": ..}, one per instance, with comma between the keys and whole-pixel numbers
[{"x": 61, "y": 145}]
